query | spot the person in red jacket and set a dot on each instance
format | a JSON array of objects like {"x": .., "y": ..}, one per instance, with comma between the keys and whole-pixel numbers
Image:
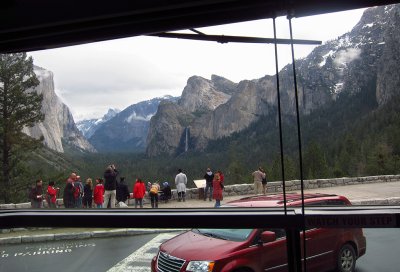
[
  {"x": 218, "y": 186},
  {"x": 98, "y": 193},
  {"x": 139, "y": 190},
  {"x": 51, "y": 197}
]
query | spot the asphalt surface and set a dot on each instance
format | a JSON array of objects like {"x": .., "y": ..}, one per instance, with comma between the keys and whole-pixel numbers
[
  {"x": 372, "y": 193},
  {"x": 383, "y": 247},
  {"x": 135, "y": 253},
  {"x": 82, "y": 255}
]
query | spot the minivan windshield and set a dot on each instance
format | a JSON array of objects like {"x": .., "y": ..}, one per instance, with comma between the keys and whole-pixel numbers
[{"x": 237, "y": 235}]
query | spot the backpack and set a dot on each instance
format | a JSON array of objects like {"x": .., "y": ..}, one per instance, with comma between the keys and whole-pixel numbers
[
  {"x": 264, "y": 180},
  {"x": 77, "y": 190},
  {"x": 154, "y": 189},
  {"x": 31, "y": 193},
  {"x": 48, "y": 198}
]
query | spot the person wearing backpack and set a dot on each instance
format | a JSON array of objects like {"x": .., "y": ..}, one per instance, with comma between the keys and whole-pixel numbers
[
  {"x": 51, "y": 196},
  {"x": 78, "y": 192},
  {"x": 68, "y": 196},
  {"x": 155, "y": 187}
]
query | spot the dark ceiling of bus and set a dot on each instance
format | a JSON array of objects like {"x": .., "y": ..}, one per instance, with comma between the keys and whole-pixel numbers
[{"x": 27, "y": 25}]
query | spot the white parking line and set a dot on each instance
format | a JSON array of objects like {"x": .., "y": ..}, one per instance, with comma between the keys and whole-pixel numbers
[{"x": 134, "y": 262}]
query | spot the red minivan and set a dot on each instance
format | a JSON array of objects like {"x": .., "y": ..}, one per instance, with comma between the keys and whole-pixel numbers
[{"x": 256, "y": 250}]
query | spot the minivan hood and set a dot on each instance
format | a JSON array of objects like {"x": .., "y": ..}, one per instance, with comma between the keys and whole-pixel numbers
[{"x": 194, "y": 246}]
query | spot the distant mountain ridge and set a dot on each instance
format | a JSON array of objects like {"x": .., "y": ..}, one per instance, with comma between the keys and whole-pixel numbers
[
  {"x": 88, "y": 127},
  {"x": 127, "y": 130}
]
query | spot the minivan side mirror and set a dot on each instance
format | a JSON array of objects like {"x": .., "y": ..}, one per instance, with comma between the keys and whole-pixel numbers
[{"x": 268, "y": 236}]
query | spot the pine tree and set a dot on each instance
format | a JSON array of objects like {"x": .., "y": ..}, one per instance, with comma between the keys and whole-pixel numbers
[
  {"x": 315, "y": 162},
  {"x": 20, "y": 106}
]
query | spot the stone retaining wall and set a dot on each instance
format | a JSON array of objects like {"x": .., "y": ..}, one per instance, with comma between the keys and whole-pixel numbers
[
  {"x": 272, "y": 187},
  {"x": 293, "y": 185}
]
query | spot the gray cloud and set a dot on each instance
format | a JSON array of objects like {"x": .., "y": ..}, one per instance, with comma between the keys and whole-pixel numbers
[{"x": 92, "y": 78}]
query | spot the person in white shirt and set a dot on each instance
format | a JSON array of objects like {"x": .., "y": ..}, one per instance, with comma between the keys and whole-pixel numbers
[
  {"x": 258, "y": 176},
  {"x": 180, "y": 182}
]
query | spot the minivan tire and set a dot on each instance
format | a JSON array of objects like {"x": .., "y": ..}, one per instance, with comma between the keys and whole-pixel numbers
[{"x": 346, "y": 259}]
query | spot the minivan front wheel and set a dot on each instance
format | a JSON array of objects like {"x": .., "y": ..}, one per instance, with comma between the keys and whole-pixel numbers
[{"x": 346, "y": 261}]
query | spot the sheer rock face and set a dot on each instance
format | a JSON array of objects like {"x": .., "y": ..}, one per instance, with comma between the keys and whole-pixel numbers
[
  {"x": 210, "y": 112},
  {"x": 167, "y": 128},
  {"x": 58, "y": 125},
  {"x": 202, "y": 95},
  {"x": 365, "y": 59},
  {"x": 388, "y": 78}
]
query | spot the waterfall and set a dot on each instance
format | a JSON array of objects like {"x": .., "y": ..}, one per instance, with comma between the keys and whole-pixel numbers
[{"x": 186, "y": 139}]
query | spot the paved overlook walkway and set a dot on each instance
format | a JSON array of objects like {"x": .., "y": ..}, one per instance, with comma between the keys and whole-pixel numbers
[{"x": 358, "y": 194}]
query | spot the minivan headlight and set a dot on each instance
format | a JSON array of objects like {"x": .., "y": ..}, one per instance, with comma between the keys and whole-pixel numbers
[{"x": 200, "y": 266}]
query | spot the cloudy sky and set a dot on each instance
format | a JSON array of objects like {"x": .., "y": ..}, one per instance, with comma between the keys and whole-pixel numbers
[{"x": 94, "y": 77}]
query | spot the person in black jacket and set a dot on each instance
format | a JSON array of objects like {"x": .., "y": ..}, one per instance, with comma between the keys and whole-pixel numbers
[
  {"x": 88, "y": 194},
  {"x": 68, "y": 196},
  {"x": 209, "y": 176},
  {"x": 110, "y": 185},
  {"x": 166, "y": 192},
  {"x": 36, "y": 195},
  {"x": 122, "y": 191}
]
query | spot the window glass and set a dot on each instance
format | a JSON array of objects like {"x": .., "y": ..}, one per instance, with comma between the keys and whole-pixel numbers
[
  {"x": 144, "y": 123},
  {"x": 226, "y": 234}
]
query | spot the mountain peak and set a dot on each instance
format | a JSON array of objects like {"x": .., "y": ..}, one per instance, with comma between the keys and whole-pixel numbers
[{"x": 110, "y": 114}]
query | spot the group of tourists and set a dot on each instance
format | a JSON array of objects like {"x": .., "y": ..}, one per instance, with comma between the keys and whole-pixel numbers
[
  {"x": 105, "y": 193},
  {"x": 109, "y": 192},
  {"x": 214, "y": 186},
  {"x": 154, "y": 190}
]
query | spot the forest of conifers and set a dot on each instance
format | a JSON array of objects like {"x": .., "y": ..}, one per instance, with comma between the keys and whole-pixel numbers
[{"x": 350, "y": 137}]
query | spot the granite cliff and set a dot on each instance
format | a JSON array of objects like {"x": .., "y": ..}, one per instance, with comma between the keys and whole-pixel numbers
[
  {"x": 58, "y": 127},
  {"x": 364, "y": 58}
]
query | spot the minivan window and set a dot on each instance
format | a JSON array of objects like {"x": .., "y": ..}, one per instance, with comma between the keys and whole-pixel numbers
[{"x": 237, "y": 235}]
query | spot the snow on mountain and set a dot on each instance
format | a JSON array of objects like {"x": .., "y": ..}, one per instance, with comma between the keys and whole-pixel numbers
[
  {"x": 357, "y": 61},
  {"x": 88, "y": 127},
  {"x": 127, "y": 130},
  {"x": 134, "y": 116}
]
